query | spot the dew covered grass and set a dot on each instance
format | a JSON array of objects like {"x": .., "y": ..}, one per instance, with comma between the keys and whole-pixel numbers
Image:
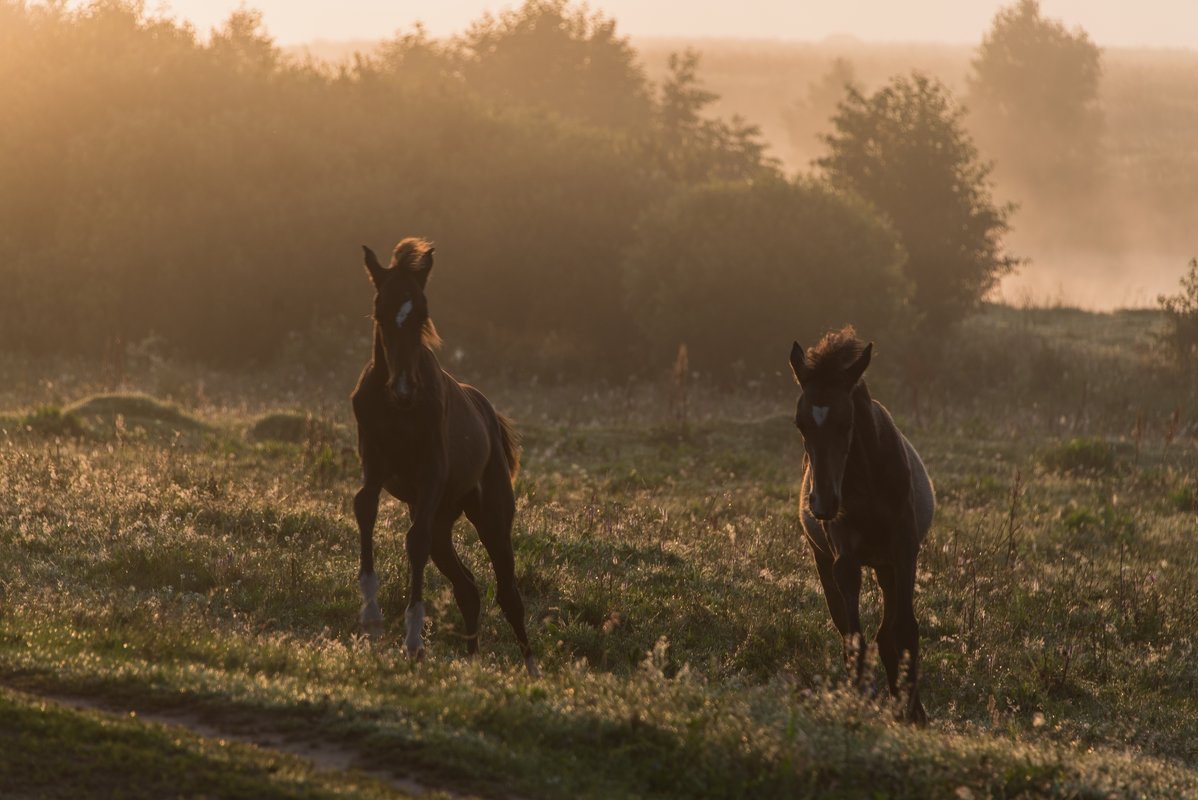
[{"x": 673, "y": 606}]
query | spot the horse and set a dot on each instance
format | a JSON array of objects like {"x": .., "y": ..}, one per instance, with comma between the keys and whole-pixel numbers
[
  {"x": 437, "y": 445},
  {"x": 865, "y": 501}
]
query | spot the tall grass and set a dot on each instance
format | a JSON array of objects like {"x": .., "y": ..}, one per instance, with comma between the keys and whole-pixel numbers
[{"x": 686, "y": 644}]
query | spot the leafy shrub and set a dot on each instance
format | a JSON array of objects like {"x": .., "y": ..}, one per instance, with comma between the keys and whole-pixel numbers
[
  {"x": 737, "y": 271},
  {"x": 1081, "y": 456},
  {"x": 1184, "y": 498}
]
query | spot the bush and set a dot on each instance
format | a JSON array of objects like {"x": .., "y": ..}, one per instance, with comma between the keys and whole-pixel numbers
[
  {"x": 738, "y": 271},
  {"x": 1181, "y": 313},
  {"x": 1081, "y": 456}
]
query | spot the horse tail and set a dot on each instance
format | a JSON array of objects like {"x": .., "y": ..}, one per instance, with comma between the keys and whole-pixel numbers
[{"x": 511, "y": 444}]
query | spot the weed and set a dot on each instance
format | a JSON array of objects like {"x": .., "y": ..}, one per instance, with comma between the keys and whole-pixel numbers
[{"x": 1081, "y": 456}]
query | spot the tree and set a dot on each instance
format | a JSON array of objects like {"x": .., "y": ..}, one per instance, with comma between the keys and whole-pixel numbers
[
  {"x": 904, "y": 149},
  {"x": 1033, "y": 92},
  {"x": 548, "y": 55},
  {"x": 807, "y": 116},
  {"x": 243, "y": 43},
  {"x": 692, "y": 148},
  {"x": 416, "y": 59}
]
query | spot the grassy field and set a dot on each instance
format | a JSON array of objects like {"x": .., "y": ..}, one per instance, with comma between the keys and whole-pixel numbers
[{"x": 200, "y": 560}]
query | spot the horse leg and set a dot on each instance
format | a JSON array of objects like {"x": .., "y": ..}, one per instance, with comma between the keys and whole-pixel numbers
[
  {"x": 888, "y": 649},
  {"x": 827, "y": 578},
  {"x": 847, "y": 571},
  {"x": 465, "y": 591},
  {"x": 907, "y": 634},
  {"x": 366, "y": 510},
  {"x": 492, "y": 516},
  {"x": 418, "y": 544}
]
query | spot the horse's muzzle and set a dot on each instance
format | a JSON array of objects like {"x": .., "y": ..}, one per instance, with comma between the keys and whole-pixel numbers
[{"x": 400, "y": 391}]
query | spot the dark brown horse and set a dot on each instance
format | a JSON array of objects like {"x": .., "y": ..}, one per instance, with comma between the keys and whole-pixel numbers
[
  {"x": 865, "y": 501},
  {"x": 437, "y": 445}
]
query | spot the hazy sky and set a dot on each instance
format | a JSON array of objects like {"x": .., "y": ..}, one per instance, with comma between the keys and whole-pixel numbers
[{"x": 1164, "y": 23}]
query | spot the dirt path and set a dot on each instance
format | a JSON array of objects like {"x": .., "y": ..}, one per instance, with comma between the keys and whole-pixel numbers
[{"x": 324, "y": 756}]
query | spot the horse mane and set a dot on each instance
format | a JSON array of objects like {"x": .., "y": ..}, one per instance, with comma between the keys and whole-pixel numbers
[
  {"x": 429, "y": 336},
  {"x": 833, "y": 353},
  {"x": 409, "y": 251},
  {"x": 407, "y": 255}
]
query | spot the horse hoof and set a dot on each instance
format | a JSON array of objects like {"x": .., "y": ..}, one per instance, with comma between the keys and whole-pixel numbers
[
  {"x": 530, "y": 664},
  {"x": 417, "y": 655}
]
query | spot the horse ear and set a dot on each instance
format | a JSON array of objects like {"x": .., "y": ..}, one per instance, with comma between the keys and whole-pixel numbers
[
  {"x": 855, "y": 370},
  {"x": 423, "y": 267},
  {"x": 798, "y": 362},
  {"x": 373, "y": 268}
]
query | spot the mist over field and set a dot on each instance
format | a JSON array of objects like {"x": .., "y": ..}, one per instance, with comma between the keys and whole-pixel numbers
[
  {"x": 1116, "y": 247},
  {"x": 679, "y": 271}
]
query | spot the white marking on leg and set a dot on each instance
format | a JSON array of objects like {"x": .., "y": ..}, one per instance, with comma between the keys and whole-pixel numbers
[
  {"x": 819, "y": 414},
  {"x": 415, "y": 622},
  {"x": 369, "y": 585},
  {"x": 530, "y": 664},
  {"x": 371, "y": 616}
]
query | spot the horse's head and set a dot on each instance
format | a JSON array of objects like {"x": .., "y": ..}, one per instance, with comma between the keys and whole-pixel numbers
[
  {"x": 824, "y": 414},
  {"x": 401, "y": 320}
]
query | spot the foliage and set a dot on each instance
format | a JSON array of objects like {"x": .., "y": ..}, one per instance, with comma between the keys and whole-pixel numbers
[
  {"x": 289, "y": 426},
  {"x": 904, "y": 149},
  {"x": 552, "y": 55},
  {"x": 133, "y": 410},
  {"x": 691, "y": 148},
  {"x": 213, "y": 195},
  {"x": 52, "y": 421},
  {"x": 737, "y": 271},
  {"x": 1081, "y": 456},
  {"x": 1181, "y": 315},
  {"x": 806, "y": 117},
  {"x": 1034, "y": 88}
]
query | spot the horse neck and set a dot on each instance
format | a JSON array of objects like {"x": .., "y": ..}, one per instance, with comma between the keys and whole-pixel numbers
[
  {"x": 865, "y": 447},
  {"x": 378, "y": 357},
  {"x": 424, "y": 355}
]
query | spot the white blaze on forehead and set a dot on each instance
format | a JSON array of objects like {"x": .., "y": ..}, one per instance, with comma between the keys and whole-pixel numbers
[
  {"x": 819, "y": 413},
  {"x": 404, "y": 310}
]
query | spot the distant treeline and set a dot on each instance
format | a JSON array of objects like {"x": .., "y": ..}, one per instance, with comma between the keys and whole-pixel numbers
[{"x": 212, "y": 195}]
